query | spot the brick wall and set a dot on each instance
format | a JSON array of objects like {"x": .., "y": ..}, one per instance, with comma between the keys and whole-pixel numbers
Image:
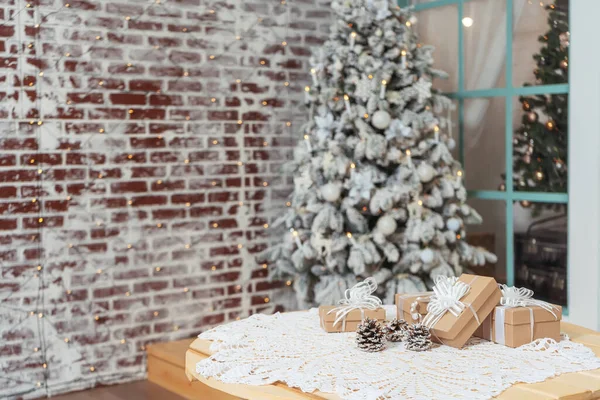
[{"x": 140, "y": 143}]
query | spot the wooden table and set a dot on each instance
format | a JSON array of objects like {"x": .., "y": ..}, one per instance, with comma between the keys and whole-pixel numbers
[{"x": 572, "y": 386}]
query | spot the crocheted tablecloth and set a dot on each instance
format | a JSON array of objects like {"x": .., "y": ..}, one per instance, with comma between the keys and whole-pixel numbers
[{"x": 292, "y": 348}]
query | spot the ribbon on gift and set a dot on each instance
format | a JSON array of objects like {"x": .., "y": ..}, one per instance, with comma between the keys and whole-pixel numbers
[
  {"x": 522, "y": 297},
  {"x": 447, "y": 295},
  {"x": 358, "y": 297},
  {"x": 513, "y": 297},
  {"x": 421, "y": 297}
]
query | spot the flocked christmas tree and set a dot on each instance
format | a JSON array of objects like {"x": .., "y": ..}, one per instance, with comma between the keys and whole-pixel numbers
[
  {"x": 376, "y": 189},
  {"x": 540, "y": 143}
]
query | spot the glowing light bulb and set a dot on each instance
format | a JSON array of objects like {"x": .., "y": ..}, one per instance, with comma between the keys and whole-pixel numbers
[{"x": 467, "y": 22}]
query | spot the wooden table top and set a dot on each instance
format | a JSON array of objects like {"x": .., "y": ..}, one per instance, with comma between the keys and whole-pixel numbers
[{"x": 572, "y": 386}]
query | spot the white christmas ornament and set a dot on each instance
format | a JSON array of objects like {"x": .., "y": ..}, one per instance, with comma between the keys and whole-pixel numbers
[
  {"x": 331, "y": 191},
  {"x": 426, "y": 172},
  {"x": 386, "y": 225},
  {"x": 427, "y": 256},
  {"x": 381, "y": 119},
  {"x": 451, "y": 144},
  {"x": 453, "y": 224}
]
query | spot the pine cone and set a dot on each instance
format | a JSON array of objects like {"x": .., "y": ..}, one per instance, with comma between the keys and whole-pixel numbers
[
  {"x": 418, "y": 338},
  {"x": 370, "y": 336},
  {"x": 396, "y": 330}
]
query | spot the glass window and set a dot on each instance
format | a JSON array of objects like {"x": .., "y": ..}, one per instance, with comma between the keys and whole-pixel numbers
[{"x": 508, "y": 73}]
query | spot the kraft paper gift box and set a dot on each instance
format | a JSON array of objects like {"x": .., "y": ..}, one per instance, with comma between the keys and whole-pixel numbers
[
  {"x": 520, "y": 319},
  {"x": 404, "y": 303},
  {"x": 454, "y": 326},
  {"x": 328, "y": 315},
  {"x": 358, "y": 303}
]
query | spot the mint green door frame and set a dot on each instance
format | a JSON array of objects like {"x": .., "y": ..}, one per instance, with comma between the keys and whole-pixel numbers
[{"x": 509, "y": 196}]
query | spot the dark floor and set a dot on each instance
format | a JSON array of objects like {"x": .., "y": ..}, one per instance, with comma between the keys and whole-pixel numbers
[{"x": 142, "y": 390}]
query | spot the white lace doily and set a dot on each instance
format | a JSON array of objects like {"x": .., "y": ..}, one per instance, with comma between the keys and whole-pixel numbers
[{"x": 292, "y": 348}]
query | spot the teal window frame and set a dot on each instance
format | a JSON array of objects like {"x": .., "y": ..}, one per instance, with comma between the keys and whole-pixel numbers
[{"x": 509, "y": 196}]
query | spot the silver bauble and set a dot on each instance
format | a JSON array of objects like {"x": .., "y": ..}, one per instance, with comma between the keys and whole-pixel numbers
[
  {"x": 381, "y": 119},
  {"x": 331, "y": 191},
  {"x": 453, "y": 224},
  {"x": 451, "y": 144},
  {"x": 532, "y": 116},
  {"x": 426, "y": 172},
  {"x": 427, "y": 256},
  {"x": 386, "y": 225}
]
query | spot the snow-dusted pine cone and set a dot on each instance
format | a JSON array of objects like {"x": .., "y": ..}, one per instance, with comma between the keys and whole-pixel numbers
[
  {"x": 395, "y": 330},
  {"x": 418, "y": 338},
  {"x": 370, "y": 336}
]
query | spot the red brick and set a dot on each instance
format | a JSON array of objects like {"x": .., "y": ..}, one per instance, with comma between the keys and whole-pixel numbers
[
  {"x": 128, "y": 99},
  {"x": 129, "y": 187}
]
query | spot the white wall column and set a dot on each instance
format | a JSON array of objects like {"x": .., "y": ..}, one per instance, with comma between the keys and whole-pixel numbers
[{"x": 584, "y": 165}]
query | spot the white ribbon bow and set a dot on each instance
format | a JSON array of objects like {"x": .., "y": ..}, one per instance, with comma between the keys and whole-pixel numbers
[
  {"x": 447, "y": 293},
  {"x": 358, "y": 297},
  {"x": 522, "y": 297}
]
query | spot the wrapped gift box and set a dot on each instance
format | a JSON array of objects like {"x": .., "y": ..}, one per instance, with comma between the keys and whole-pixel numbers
[
  {"x": 350, "y": 322},
  {"x": 404, "y": 302},
  {"x": 516, "y": 326},
  {"x": 479, "y": 301}
]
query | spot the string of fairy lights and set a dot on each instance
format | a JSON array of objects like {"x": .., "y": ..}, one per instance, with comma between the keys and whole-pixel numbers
[{"x": 43, "y": 165}]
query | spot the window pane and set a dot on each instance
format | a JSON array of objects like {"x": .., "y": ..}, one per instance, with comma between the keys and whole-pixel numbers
[
  {"x": 540, "y": 42},
  {"x": 439, "y": 27},
  {"x": 540, "y": 143},
  {"x": 541, "y": 250},
  {"x": 453, "y": 131},
  {"x": 491, "y": 235},
  {"x": 484, "y": 28},
  {"x": 484, "y": 121}
]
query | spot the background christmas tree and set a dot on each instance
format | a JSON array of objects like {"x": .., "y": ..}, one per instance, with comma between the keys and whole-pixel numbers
[
  {"x": 540, "y": 143},
  {"x": 376, "y": 189}
]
